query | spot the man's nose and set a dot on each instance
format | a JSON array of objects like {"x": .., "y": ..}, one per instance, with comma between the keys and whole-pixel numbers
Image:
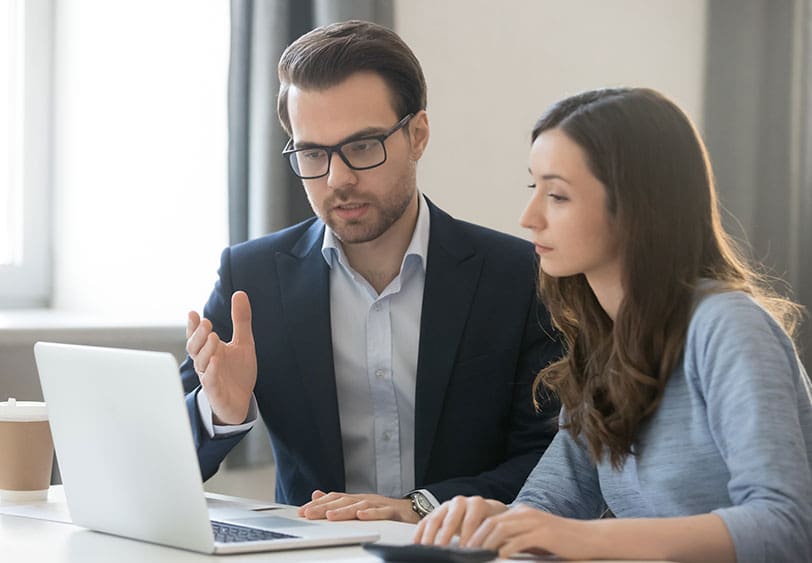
[{"x": 340, "y": 174}]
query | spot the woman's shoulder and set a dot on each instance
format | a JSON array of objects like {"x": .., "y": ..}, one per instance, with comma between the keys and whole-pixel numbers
[
  {"x": 730, "y": 323},
  {"x": 715, "y": 305}
]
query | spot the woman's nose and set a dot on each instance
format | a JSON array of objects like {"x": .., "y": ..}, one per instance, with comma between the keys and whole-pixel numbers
[{"x": 532, "y": 217}]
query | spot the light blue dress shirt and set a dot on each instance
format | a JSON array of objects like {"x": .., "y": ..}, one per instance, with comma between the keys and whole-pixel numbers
[
  {"x": 376, "y": 340},
  {"x": 375, "y": 346}
]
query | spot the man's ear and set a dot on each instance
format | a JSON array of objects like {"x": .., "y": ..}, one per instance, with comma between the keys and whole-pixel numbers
[{"x": 419, "y": 134}]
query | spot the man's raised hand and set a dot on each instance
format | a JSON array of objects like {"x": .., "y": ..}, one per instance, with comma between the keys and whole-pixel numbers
[{"x": 227, "y": 370}]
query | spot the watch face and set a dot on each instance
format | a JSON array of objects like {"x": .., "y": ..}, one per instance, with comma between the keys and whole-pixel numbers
[{"x": 422, "y": 504}]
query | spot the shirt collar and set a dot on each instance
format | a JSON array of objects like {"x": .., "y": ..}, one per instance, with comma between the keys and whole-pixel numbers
[{"x": 331, "y": 248}]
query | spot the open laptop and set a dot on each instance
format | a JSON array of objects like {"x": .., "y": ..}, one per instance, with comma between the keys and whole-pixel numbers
[{"x": 124, "y": 443}]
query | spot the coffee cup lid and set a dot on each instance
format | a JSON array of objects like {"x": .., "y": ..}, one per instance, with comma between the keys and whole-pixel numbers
[{"x": 23, "y": 411}]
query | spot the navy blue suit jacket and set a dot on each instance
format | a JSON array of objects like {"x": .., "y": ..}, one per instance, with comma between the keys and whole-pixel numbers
[{"x": 483, "y": 338}]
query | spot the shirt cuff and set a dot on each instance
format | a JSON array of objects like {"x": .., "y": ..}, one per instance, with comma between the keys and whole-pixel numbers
[{"x": 223, "y": 431}]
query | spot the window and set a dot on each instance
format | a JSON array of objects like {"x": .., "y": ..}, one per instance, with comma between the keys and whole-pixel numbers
[
  {"x": 118, "y": 204},
  {"x": 25, "y": 78},
  {"x": 8, "y": 102}
]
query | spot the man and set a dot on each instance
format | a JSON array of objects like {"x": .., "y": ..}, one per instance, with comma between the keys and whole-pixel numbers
[{"x": 389, "y": 348}]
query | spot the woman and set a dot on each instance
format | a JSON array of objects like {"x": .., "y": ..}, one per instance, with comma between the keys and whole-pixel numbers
[{"x": 686, "y": 412}]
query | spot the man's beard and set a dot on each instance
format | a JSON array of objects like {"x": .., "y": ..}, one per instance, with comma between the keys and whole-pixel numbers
[{"x": 378, "y": 219}]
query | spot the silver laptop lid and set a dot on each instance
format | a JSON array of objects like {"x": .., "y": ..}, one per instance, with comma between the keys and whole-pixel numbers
[
  {"x": 125, "y": 448},
  {"x": 118, "y": 421}
]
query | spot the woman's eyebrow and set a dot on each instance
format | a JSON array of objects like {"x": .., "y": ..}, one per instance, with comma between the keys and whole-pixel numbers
[
  {"x": 550, "y": 176},
  {"x": 554, "y": 177}
]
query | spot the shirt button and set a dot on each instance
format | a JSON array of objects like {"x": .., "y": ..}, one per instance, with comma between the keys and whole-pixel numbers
[
  {"x": 377, "y": 307},
  {"x": 379, "y": 374},
  {"x": 387, "y": 436}
]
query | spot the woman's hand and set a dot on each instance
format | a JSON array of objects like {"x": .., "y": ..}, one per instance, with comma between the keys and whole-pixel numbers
[
  {"x": 460, "y": 515},
  {"x": 529, "y": 530},
  {"x": 489, "y": 524}
]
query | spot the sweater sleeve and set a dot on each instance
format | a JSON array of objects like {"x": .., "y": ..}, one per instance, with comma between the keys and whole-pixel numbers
[
  {"x": 759, "y": 414},
  {"x": 564, "y": 482}
]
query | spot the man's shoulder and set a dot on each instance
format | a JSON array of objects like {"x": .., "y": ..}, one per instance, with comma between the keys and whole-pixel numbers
[
  {"x": 492, "y": 238},
  {"x": 481, "y": 239},
  {"x": 288, "y": 240}
]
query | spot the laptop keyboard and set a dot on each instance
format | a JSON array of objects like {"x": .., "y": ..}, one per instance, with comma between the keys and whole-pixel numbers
[{"x": 230, "y": 533}]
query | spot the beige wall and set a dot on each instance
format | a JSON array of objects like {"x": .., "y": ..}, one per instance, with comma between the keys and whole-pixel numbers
[{"x": 493, "y": 67}]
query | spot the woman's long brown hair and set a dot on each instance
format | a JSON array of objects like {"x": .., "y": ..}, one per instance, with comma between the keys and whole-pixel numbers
[{"x": 661, "y": 197}]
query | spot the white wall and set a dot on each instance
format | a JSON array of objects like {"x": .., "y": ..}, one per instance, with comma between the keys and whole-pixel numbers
[
  {"x": 492, "y": 68},
  {"x": 140, "y": 155}
]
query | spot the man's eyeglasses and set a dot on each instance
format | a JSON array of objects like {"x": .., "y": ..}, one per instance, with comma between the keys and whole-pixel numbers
[{"x": 359, "y": 154}]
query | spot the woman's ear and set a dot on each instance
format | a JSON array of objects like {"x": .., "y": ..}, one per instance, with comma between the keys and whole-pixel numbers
[{"x": 418, "y": 134}]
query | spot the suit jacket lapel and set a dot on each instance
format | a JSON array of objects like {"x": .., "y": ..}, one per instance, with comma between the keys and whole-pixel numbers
[
  {"x": 304, "y": 279},
  {"x": 452, "y": 273}
]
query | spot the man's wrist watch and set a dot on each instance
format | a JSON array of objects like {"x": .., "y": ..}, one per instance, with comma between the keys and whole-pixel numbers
[{"x": 420, "y": 504}]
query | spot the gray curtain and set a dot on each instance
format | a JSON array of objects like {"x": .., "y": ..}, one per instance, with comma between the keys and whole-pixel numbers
[
  {"x": 759, "y": 135},
  {"x": 263, "y": 195}
]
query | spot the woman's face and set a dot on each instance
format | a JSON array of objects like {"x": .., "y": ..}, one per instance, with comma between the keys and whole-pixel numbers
[{"x": 568, "y": 216}]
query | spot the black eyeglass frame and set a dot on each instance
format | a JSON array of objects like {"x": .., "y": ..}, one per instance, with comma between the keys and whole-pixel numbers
[{"x": 288, "y": 150}]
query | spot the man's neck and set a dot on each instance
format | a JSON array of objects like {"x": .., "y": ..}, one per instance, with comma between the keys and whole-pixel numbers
[{"x": 379, "y": 260}]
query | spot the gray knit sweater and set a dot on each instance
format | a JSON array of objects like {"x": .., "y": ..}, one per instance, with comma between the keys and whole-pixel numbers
[{"x": 732, "y": 436}]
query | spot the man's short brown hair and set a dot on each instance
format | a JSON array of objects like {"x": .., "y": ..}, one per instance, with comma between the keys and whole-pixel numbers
[{"x": 328, "y": 55}]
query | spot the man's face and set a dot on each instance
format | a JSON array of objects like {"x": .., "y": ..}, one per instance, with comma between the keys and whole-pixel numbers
[{"x": 358, "y": 205}]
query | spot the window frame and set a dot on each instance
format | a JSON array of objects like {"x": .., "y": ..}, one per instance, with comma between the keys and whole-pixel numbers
[{"x": 27, "y": 282}]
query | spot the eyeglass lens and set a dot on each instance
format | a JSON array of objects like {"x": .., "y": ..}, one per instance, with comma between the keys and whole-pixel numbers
[{"x": 363, "y": 153}]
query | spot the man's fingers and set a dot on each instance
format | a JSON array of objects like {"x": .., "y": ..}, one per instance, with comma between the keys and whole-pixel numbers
[
  {"x": 204, "y": 355},
  {"x": 314, "y": 496},
  {"x": 379, "y": 513},
  {"x": 198, "y": 338},
  {"x": 349, "y": 512},
  {"x": 319, "y": 508},
  {"x": 210, "y": 381},
  {"x": 192, "y": 320},
  {"x": 241, "y": 318}
]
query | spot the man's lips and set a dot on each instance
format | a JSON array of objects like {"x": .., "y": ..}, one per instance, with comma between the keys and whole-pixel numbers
[
  {"x": 541, "y": 249},
  {"x": 350, "y": 210}
]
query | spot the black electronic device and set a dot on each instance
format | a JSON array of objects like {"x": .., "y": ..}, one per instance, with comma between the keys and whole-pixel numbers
[{"x": 417, "y": 553}]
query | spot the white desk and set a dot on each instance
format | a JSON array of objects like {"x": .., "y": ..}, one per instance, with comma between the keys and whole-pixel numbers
[
  {"x": 34, "y": 539},
  {"x": 24, "y": 539}
]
